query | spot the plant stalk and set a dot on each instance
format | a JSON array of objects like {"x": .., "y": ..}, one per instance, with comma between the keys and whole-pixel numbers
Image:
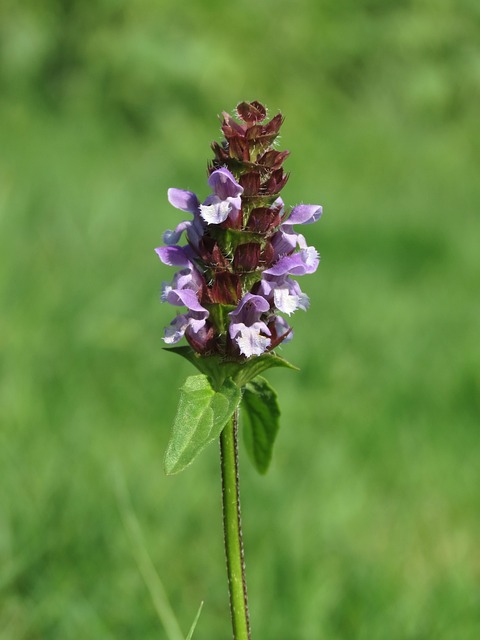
[{"x": 232, "y": 529}]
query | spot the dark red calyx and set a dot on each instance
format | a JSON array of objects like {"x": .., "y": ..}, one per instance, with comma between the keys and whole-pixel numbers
[
  {"x": 267, "y": 255},
  {"x": 205, "y": 342},
  {"x": 226, "y": 288},
  {"x": 247, "y": 257},
  {"x": 276, "y": 182},
  {"x": 251, "y": 111},
  {"x": 251, "y": 183},
  {"x": 273, "y": 159},
  {"x": 217, "y": 259},
  {"x": 262, "y": 219}
]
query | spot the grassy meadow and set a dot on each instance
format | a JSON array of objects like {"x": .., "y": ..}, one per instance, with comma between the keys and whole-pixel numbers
[{"x": 367, "y": 525}]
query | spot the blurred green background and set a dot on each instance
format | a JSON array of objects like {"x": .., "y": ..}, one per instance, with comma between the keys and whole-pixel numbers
[{"x": 367, "y": 526}]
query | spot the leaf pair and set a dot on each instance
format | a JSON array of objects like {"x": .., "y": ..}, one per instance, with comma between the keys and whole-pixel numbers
[
  {"x": 209, "y": 400},
  {"x": 218, "y": 368}
]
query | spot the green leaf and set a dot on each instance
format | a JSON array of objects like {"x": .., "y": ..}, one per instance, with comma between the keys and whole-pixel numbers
[
  {"x": 201, "y": 415},
  {"x": 261, "y": 421},
  {"x": 241, "y": 371}
]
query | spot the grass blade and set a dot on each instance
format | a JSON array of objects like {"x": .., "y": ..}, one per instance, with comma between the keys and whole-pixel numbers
[
  {"x": 194, "y": 624},
  {"x": 145, "y": 564}
]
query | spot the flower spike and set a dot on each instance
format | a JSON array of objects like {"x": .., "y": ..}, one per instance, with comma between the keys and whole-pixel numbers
[{"x": 242, "y": 249}]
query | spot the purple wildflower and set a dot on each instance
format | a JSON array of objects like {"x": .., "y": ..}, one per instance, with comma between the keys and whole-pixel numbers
[
  {"x": 225, "y": 200},
  {"x": 246, "y": 327},
  {"x": 192, "y": 322},
  {"x": 235, "y": 284},
  {"x": 296, "y": 264},
  {"x": 185, "y": 290},
  {"x": 283, "y": 293},
  {"x": 285, "y": 240},
  {"x": 185, "y": 201}
]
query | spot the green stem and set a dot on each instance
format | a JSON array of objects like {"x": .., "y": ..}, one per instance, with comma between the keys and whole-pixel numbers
[{"x": 232, "y": 528}]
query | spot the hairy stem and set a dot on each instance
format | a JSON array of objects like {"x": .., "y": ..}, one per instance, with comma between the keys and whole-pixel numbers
[{"x": 232, "y": 528}]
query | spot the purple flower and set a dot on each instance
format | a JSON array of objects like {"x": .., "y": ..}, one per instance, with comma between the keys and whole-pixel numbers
[
  {"x": 225, "y": 199},
  {"x": 246, "y": 328},
  {"x": 184, "y": 291},
  {"x": 284, "y": 293},
  {"x": 304, "y": 214},
  {"x": 193, "y": 321},
  {"x": 285, "y": 240},
  {"x": 297, "y": 264},
  {"x": 189, "y": 278},
  {"x": 185, "y": 201}
]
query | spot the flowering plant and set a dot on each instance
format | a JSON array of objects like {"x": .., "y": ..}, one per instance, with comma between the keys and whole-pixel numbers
[{"x": 235, "y": 280}]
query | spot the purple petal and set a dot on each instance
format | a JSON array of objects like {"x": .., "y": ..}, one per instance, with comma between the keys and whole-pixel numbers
[
  {"x": 283, "y": 266},
  {"x": 304, "y": 214},
  {"x": 249, "y": 309},
  {"x": 298, "y": 264},
  {"x": 184, "y": 279},
  {"x": 265, "y": 288},
  {"x": 173, "y": 256},
  {"x": 184, "y": 200},
  {"x": 172, "y": 237},
  {"x": 186, "y": 297},
  {"x": 176, "y": 329},
  {"x": 188, "y": 279},
  {"x": 236, "y": 203},
  {"x": 223, "y": 184},
  {"x": 284, "y": 240},
  {"x": 282, "y": 327},
  {"x": 196, "y": 321},
  {"x": 196, "y": 231}
]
